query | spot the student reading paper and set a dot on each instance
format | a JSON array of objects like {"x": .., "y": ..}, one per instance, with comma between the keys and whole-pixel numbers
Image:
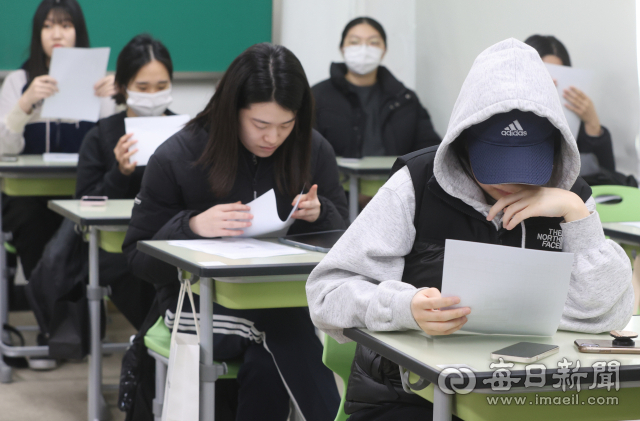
[
  {"x": 254, "y": 135},
  {"x": 144, "y": 69},
  {"x": 506, "y": 173},
  {"x": 56, "y": 23}
]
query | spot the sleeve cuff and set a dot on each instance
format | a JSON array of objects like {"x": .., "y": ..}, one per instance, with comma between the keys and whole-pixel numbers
[
  {"x": 186, "y": 228},
  {"x": 401, "y": 309},
  {"x": 17, "y": 119},
  {"x": 583, "y": 234}
]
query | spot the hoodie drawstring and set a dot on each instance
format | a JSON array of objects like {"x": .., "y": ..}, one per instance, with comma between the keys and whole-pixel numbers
[{"x": 524, "y": 233}]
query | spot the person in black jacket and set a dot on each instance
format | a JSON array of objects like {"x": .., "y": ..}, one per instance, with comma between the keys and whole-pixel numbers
[
  {"x": 593, "y": 138},
  {"x": 144, "y": 68},
  {"x": 362, "y": 109},
  {"x": 255, "y": 135}
]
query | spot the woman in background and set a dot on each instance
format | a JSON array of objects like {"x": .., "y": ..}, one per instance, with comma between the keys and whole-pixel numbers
[
  {"x": 56, "y": 23},
  {"x": 593, "y": 138},
  {"x": 143, "y": 83},
  {"x": 362, "y": 109}
]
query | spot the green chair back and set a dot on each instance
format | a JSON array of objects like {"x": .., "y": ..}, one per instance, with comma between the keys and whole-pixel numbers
[
  {"x": 158, "y": 339},
  {"x": 625, "y": 211},
  {"x": 338, "y": 357}
]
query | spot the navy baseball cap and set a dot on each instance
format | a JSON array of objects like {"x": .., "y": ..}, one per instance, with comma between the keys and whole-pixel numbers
[{"x": 514, "y": 147}]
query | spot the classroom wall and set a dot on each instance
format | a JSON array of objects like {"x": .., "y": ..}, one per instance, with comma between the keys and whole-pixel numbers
[{"x": 600, "y": 35}]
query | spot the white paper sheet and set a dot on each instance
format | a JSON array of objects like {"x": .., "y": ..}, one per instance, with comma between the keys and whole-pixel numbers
[
  {"x": 570, "y": 76},
  {"x": 60, "y": 157},
  {"x": 151, "y": 132},
  {"x": 237, "y": 248},
  {"x": 509, "y": 290},
  {"x": 76, "y": 70},
  {"x": 266, "y": 222}
]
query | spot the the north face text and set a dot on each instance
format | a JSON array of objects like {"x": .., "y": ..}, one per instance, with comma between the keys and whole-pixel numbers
[{"x": 551, "y": 240}]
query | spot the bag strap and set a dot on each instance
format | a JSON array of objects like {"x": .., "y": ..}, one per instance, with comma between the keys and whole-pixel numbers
[{"x": 185, "y": 287}]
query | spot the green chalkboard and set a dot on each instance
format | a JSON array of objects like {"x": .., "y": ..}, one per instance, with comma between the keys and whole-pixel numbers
[{"x": 201, "y": 35}]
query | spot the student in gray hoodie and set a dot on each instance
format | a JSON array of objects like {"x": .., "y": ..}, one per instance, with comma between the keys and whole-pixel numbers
[{"x": 505, "y": 173}]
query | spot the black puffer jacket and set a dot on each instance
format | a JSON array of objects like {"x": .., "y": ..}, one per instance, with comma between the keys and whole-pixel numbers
[
  {"x": 406, "y": 125},
  {"x": 174, "y": 189}
]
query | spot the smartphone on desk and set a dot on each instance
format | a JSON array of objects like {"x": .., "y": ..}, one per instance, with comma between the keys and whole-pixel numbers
[
  {"x": 603, "y": 346},
  {"x": 525, "y": 352},
  {"x": 93, "y": 201}
]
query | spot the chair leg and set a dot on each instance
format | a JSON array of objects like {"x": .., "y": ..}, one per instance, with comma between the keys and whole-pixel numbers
[{"x": 161, "y": 376}]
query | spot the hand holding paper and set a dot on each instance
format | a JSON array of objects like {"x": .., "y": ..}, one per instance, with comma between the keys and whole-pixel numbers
[
  {"x": 566, "y": 77},
  {"x": 510, "y": 290},
  {"x": 308, "y": 208},
  {"x": 222, "y": 220},
  {"x": 123, "y": 152},
  {"x": 425, "y": 308},
  {"x": 151, "y": 132},
  {"x": 76, "y": 71}
]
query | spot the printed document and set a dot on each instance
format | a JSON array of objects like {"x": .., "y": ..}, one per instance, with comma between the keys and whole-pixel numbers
[
  {"x": 76, "y": 70},
  {"x": 570, "y": 76},
  {"x": 510, "y": 290},
  {"x": 266, "y": 222},
  {"x": 151, "y": 132},
  {"x": 236, "y": 248}
]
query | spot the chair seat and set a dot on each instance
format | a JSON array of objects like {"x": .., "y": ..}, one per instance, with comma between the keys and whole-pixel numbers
[{"x": 158, "y": 339}]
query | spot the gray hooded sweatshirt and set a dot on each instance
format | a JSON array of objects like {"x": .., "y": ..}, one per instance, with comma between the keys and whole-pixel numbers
[{"x": 358, "y": 283}]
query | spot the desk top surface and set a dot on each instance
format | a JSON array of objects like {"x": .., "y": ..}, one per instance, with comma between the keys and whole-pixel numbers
[
  {"x": 116, "y": 212},
  {"x": 422, "y": 355},
  {"x": 36, "y": 164},
  {"x": 192, "y": 261},
  {"x": 370, "y": 165},
  {"x": 621, "y": 231}
]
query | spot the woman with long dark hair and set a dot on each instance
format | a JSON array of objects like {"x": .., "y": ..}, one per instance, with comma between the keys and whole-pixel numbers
[
  {"x": 254, "y": 135},
  {"x": 56, "y": 23},
  {"x": 143, "y": 77}
]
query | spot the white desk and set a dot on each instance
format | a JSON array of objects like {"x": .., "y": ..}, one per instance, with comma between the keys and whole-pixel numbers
[{"x": 422, "y": 356}]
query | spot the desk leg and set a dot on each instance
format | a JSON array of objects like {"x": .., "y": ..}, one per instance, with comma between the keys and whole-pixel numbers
[
  {"x": 207, "y": 389},
  {"x": 5, "y": 370},
  {"x": 441, "y": 405},
  {"x": 94, "y": 294},
  {"x": 353, "y": 197}
]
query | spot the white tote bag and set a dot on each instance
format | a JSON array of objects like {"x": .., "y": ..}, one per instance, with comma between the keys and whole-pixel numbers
[{"x": 182, "y": 390}]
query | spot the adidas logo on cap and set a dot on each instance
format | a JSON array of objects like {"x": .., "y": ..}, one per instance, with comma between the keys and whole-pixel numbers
[{"x": 514, "y": 129}]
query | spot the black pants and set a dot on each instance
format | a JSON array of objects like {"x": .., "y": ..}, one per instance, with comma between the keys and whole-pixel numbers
[
  {"x": 281, "y": 351},
  {"x": 32, "y": 225}
]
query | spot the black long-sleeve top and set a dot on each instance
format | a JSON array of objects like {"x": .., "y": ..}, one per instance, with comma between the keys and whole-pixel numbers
[{"x": 174, "y": 189}]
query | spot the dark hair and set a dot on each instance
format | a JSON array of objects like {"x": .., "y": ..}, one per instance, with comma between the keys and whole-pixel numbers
[
  {"x": 262, "y": 73},
  {"x": 141, "y": 50},
  {"x": 549, "y": 45},
  {"x": 369, "y": 21},
  {"x": 63, "y": 10}
]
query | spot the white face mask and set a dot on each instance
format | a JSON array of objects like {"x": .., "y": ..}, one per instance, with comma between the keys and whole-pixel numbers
[
  {"x": 148, "y": 105},
  {"x": 362, "y": 59}
]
